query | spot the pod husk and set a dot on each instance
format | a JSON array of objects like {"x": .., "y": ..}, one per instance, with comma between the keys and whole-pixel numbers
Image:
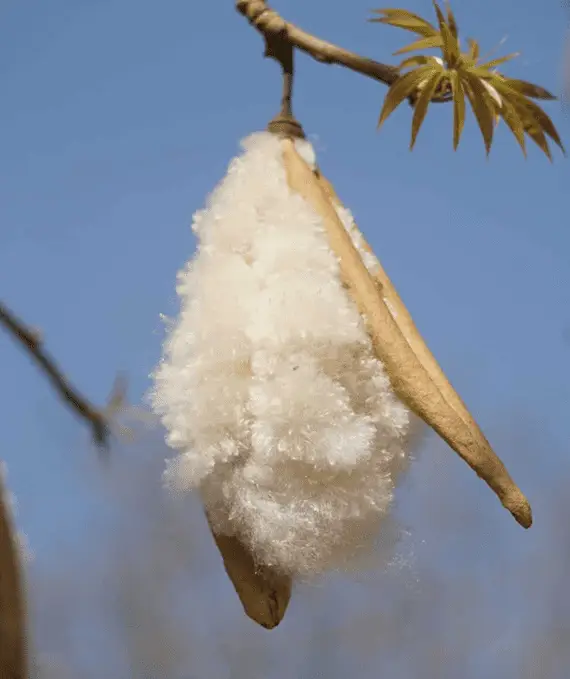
[
  {"x": 13, "y": 654},
  {"x": 263, "y": 591},
  {"x": 416, "y": 377}
]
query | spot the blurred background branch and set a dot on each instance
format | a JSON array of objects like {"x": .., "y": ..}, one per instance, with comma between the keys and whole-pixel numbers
[{"x": 97, "y": 419}]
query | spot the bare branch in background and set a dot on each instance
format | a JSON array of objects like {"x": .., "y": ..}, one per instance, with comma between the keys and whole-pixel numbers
[{"x": 97, "y": 419}]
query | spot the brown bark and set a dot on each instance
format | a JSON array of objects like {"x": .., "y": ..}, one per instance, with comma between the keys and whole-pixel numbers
[
  {"x": 13, "y": 661},
  {"x": 268, "y": 22},
  {"x": 416, "y": 377}
]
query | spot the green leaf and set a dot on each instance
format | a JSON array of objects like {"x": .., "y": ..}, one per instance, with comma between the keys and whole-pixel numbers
[
  {"x": 473, "y": 49},
  {"x": 497, "y": 62},
  {"x": 401, "y": 18},
  {"x": 458, "y": 108},
  {"x": 422, "y": 103},
  {"x": 482, "y": 73},
  {"x": 482, "y": 106},
  {"x": 440, "y": 17},
  {"x": 529, "y": 90},
  {"x": 511, "y": 118},
  {"x": 537, "y": 135},
  {"x": 498, "y": 100},
  {"x": 451, "y": 20},
  {"x": 412, "y": 62},
  {"x": 422, "y": 44},
  {"x": 492, "y": 96},
  {"x": 543, "y": 119},
  {"x": 530, "y": 112},
  {"x": 450, "y": 46},
  {"x": 536, "y": 117},
  {"x": 401, "y": 89}
]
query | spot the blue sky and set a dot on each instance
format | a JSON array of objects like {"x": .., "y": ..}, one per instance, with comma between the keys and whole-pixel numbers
[{"x": 119, "y": 117}]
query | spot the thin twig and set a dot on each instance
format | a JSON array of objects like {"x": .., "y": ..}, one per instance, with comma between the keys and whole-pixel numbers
[
  {"x": 268, "y": 22},
  {"x": 96, "y": 418}
]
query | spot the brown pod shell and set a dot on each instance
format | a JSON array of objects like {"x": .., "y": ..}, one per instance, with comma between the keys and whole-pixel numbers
[
  {"x": 415, "y": 375},
  {"x": 263, "y": 591}
]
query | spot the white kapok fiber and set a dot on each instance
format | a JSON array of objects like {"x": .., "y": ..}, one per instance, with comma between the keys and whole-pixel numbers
[{"x": 269, "y": 387}]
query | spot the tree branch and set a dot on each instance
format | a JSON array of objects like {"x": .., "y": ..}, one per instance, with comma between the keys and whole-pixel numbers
[
  {"x": 268, "y": 22},
  {"x": 97, "y": 419}
]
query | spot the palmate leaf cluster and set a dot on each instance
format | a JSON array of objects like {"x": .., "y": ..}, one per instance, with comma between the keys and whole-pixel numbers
[{"x": 459, "y": 75}]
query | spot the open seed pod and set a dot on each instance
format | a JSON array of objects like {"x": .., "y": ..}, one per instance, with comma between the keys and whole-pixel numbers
[{"x": 289, "y": 378}]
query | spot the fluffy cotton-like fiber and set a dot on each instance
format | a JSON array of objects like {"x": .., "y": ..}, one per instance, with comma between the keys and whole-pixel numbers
[{"x": 268, "y": 387}]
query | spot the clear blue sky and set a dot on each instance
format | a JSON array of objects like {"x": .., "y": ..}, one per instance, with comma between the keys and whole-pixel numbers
[{"x": 118, "y": 117}]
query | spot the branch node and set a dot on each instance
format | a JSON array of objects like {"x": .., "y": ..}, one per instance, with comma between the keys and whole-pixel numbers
[
  {"x": 261, "y": 16},
  {"x": 286, "y": 126}
]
